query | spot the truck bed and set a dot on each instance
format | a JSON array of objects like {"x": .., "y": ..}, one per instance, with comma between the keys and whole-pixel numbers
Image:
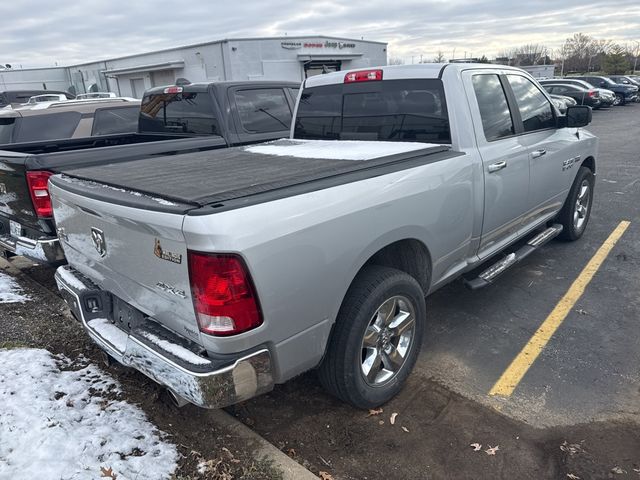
[{"x": 223, "y": 179}]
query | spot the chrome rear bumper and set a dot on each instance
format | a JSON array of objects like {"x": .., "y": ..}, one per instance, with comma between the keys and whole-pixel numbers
[
  {"x": 184, "y": 371},
  {"x": 46, "y": 250}
]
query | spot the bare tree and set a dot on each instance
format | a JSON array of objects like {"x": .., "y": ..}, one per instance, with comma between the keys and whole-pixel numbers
[
  {"x": 440, "y": 58},
  {"x": 395, "y": 61}
]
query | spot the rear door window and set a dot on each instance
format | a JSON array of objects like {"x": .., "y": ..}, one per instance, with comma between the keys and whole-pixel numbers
[
  {"x": 494, "y": 109},
  {"x": 263, "y": 110},
  {"x": 51, "y": 126},
  {"x": 184, "y": 113},
  {"x": 410, "y": 110},
  {"x": 7, "y": 126},
  {"x": 536, "y": 111},
  {"x": 108, "y": 121}
]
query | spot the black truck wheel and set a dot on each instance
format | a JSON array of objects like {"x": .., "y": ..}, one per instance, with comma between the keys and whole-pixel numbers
[
  {"x": 376, "y": 338},
  {"x": 576, "y": 210}
]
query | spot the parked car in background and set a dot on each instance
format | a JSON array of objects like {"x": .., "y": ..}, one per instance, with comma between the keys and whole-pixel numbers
[
  {"x": 562, "y": 102},
  {"x": 68, "y": 119},
  {"x": 581, "y": 95},
  {"x": 172, "y": 120},
  {"x": 607, "y": 97},
  {"x": 19, "y": 97},
  {"x": 625, "y": 80},
  {"x": 623, "y": 93},
  {"x": 49, "y": 97},
  {"x": 84, "y": 96}
]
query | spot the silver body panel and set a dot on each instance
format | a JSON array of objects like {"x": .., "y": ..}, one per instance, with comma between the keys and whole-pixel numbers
[{"x": 304, "y": 251}]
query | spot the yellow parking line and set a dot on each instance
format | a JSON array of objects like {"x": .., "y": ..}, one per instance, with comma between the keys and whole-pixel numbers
[{"x": 521, "y": 364}]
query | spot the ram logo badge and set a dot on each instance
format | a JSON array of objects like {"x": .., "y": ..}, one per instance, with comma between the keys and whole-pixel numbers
[
  {"x": 100, "y": 244},
  {"x": 166, "y": 255}
]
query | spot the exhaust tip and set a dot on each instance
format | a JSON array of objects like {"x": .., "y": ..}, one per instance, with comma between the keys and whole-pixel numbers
[{"x": 175, "y": 400}]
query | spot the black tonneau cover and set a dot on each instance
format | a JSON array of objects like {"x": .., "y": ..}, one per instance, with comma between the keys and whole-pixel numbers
[{"x": 215, "y": 177}]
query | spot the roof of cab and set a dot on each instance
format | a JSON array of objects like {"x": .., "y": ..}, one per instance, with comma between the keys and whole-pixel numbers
[
  {"x": 203, "y": 86},
  {"x": 398, "y": 72}
]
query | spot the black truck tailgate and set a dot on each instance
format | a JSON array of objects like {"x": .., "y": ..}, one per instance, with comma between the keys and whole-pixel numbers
[{"x": 214, "y": 177}]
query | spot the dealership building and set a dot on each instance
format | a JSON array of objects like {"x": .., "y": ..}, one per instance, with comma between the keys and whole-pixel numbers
[{"x": 273, "y": 58}]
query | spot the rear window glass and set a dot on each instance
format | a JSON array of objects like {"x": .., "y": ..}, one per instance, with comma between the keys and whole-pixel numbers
[
  {"x": 6, "y": 130},
  {"x": 263, "y": 110},
  {"x": 186, "y": 112},
  {"x": 107, "y": 121},
  {"x": 52, "y": 126},
  {"x": 390, "y": 110}
]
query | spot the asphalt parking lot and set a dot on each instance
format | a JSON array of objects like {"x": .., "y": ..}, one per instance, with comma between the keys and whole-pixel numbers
[{"x": 575, "y": 411}]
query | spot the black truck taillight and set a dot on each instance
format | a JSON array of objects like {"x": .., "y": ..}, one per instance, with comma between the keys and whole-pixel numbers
[
  {"x": 224, "y": 298},
  {"x": 39, "y": 190}
]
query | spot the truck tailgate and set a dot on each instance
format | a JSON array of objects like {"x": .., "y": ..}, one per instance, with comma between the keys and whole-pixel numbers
[
  {"x": 15, "y": 199},
  {"x": 138, "y": 255}
]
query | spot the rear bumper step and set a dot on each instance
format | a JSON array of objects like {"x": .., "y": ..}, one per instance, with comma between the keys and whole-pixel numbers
[
  {"x": 166, "y": 358},
  {"x": 487, "y": 277}
]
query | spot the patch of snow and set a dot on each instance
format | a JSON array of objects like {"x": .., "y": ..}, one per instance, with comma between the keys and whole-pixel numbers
[
  {"x": 92, "y": 184},
  {"x": 70, "y": 279},
  {"x": 111, "y": 333},
  {"x": 175, "y": 349},
  {"x": 336, "y": 149},
  {"x": 10, "y": 291},
  {"x": 66, "y": 424}
]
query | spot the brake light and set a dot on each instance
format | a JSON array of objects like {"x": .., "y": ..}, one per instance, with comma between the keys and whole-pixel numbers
[
  {"x": 174, "y": 89},
  {"x": 37, "y": 182},
  {"x": 593, "y": 94},
  {"x": 363, "y": 76},
  {"x": 223, "y": 295}
]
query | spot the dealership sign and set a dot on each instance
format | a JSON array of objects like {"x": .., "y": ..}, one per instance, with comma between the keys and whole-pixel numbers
[{"x": 296, "y": 45}]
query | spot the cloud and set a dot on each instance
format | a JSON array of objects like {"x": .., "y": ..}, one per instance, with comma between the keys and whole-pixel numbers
[{"x": 37, "y": 33}]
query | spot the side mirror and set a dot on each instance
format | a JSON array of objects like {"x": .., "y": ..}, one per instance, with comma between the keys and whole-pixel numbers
[{"x": 578, "y": 116}]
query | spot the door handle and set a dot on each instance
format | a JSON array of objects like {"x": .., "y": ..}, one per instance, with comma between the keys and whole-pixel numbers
[
  {"x": 494, "y": 167},
  {"x": 538, "y": 153}
]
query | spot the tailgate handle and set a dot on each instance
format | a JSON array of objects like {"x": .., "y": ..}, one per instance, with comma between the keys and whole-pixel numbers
[{"x": 494, "y": 167}]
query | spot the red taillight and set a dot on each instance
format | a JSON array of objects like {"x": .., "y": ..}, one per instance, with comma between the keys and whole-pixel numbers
[
  {"x": 593, "y": 94},
  {"x": 363, "y": 76},
  {"x": 37, "y": 182},
  {"x": 223, "y": 294},
  {"x": 173, "y": 90}
]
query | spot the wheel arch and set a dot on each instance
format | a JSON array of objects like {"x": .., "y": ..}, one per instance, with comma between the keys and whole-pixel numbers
[{"x": 590, "y": 163}]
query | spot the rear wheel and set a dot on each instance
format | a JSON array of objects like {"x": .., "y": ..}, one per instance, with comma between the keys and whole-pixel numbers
[
  {"x": 576, "y": 210},
  {"x": 619, "y": 99},
  {"x": 376, "y": 338}
]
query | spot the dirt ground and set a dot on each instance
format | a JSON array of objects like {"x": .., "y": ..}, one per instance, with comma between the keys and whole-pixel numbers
[{"x": 440, "y": 427}]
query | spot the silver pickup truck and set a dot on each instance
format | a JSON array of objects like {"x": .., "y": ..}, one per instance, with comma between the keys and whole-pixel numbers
[{"x": 219, "y": 274}]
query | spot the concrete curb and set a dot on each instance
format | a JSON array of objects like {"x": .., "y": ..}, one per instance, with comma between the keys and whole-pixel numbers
[{"x": 291, "y": 470}]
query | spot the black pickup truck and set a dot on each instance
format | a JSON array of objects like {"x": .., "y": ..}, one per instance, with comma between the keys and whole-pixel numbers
[{"x": 174, "y": 119}]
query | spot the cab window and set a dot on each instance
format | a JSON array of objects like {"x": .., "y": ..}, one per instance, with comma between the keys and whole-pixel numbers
[
  {"x": 494, "y": 109},
  {"x": 535, "y": 109}
]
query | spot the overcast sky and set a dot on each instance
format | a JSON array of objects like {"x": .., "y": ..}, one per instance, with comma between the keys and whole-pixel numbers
[{"x": 41, "y": 32}]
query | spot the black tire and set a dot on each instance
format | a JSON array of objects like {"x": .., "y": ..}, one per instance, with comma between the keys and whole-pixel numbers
[
  {"x": 571, "y": 230},
  {"x": 620, "y": 99},
  {"x": 341, "y": 371}
]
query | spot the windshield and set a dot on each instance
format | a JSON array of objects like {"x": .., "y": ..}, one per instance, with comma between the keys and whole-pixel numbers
[
  {"x": 186, "y": 112},
  {"x": 6, "y": 130},
  {"x": 412, "y": 110}
]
